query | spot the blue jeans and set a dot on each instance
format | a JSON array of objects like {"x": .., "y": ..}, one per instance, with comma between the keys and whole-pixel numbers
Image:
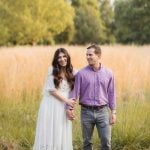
[{"x": 100, "y": 118}]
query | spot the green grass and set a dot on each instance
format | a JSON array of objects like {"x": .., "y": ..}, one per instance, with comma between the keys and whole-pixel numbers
[
  {"x": 132, "y": 129},
  {"x": 18, "y": 121}
]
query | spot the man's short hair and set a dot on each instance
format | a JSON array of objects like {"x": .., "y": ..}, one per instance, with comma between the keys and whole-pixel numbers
[{"x": 96, "y": 48}]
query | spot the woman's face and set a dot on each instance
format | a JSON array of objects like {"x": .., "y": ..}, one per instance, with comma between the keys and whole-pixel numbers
[{"x": 62, "y": 59}]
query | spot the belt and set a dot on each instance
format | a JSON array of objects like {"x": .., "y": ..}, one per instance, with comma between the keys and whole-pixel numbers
[{"x": 93, "y": 107}]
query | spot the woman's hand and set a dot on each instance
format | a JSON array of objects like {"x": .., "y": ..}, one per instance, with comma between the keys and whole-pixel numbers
[{"x": 71, "y": 102}]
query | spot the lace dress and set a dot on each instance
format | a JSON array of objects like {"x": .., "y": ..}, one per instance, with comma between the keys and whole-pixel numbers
[{"x": 54, "y": 130}]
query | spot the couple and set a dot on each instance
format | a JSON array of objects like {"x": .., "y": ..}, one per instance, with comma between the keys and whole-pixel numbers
[{"x": 93, "y": 85}]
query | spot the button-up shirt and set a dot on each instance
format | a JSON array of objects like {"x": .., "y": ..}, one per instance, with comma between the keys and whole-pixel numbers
[{"x": 95, "y": 88}]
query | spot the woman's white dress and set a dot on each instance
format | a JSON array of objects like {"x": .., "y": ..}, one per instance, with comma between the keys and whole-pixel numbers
[{"x": 54, "y": 130}]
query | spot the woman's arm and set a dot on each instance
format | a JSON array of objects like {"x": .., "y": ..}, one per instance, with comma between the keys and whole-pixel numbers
[{"x": 57, "y": 95}]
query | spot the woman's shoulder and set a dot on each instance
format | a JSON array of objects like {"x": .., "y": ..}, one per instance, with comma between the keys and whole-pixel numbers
[
  {"x": 75, "y": 71},
  {"x": 50, "y": 70}
]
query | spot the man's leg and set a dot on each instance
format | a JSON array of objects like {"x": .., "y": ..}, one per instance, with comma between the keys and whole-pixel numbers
[
  {"x": 104, "y": 128},
  {"x": 87, "y": 124}
]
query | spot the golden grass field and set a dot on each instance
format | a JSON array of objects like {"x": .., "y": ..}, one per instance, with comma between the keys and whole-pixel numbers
[
  {"x": 22, "y": 74},
  {"x": 25, "y": 68}
]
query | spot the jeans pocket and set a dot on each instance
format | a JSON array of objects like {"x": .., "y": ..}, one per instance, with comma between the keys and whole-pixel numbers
[
  {"x": 85, "y": 114},
  {"x": 104, "y": 124},
  {"x": 84, "y": 110},
  {"x": 103, "y": 117}
]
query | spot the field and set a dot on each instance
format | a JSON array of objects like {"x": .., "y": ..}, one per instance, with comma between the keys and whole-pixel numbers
[{"x": 22, "y": 74}]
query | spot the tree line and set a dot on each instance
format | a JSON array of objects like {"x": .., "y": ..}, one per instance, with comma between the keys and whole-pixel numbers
[{"x": 74, "y": 22}]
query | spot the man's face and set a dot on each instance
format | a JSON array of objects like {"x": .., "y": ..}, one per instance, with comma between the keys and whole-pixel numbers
[{"x": 91, "y": 57}]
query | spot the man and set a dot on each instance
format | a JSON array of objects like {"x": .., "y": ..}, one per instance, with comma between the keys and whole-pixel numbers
[{"x": 94, "y": 86}]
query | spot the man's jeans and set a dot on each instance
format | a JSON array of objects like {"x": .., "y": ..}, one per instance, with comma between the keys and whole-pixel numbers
[{"x": 100, "y": 118}]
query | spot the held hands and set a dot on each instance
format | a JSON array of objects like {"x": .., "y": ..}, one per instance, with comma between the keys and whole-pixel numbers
[
  {"x": 71, "y": 102},
  {"x": 70, "y": 114}
]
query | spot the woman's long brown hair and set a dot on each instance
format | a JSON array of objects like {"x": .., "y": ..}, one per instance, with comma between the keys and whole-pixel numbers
[{"x": 57, "y": 69}]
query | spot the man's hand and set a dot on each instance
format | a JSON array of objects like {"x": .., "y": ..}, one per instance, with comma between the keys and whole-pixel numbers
[
  {"x": 113, "y": 118},
  {"x": 70, "y": 114}
]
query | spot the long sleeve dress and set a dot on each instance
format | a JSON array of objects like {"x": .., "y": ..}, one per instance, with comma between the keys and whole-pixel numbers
[{"x": 53, "y": 130}]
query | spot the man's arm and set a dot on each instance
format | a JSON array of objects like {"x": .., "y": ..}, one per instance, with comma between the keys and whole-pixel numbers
[
  {"x": 75, "y": 93},
  {"x": 112, "y": 99}
]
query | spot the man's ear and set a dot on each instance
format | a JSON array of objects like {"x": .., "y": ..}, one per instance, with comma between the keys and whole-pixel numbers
[{"x": 99, "y": 56}]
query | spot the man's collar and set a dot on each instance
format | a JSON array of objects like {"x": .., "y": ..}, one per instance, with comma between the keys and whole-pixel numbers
[{"x": 91, "y": 68}]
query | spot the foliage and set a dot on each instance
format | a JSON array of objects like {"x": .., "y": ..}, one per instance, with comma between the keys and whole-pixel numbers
[
  {"x": 88, "y": 23},
  {"x": 31, "y": 22},
  {"x": 74, "y": 21},
  {"x": 132, "y": 21},
  {"x": 107, "y": 15}
]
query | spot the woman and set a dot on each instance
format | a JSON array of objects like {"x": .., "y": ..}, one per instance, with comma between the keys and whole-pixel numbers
[{"x": 54, "y": 130}]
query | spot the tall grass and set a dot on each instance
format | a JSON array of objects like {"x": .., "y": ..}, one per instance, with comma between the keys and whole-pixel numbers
[
  {"x": 22, "y": 74},
  {"x": 132, "y": 129}
]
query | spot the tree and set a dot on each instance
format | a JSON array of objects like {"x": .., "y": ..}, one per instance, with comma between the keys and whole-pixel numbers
[
  {"x": 88, "y": 24},
  {"x": 132, "y": 21},
  {"x": 107, "y": 16},
  {"x": 32, "y": 22},
  {"x": 66, "y": 36}
]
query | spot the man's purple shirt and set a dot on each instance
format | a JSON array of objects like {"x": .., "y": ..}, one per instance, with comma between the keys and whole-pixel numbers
[{"x": 95, "y": 88}]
